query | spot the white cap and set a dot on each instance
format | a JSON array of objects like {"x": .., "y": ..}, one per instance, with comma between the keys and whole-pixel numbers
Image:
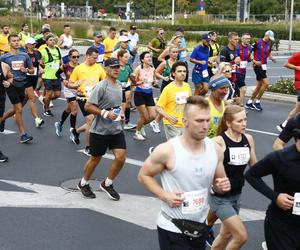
[
  {"x": 124, "y": 39},
  {"x": 30, "y": 40},
  {"x": 270, "y": 34}
]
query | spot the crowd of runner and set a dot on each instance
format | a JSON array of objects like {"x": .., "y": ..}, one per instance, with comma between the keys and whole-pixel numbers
[{"x": 206, "y": 152}]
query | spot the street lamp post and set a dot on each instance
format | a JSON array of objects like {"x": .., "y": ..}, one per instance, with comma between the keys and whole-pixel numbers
[
  {"x": 173, "y": 12},
  {"x": 291, "y": 24}
]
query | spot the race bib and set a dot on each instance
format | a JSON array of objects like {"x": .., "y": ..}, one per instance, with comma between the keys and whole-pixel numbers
[
  {"x": 147, "y": 85},
  {"x": 194, "y": 201},
  {"x": 16, "y": 65},
  {"x": 239, "y": 156},
  {"x": 34, "y": 73},
  {"x": 125, "y": 84},
  {"x": 264, "y": 66},
  {"x": 296, "y": 207},
  {"x": 181, "y": 97},
  {"x": 100, "y": 58},
  {"x": 54, "y": 65},
  {"x": 205, "y": 73},
  {"x": 88, "y": 90},
  {"x": 243, "y": 64}
]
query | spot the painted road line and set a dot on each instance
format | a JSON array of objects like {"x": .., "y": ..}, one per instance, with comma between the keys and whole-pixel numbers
[
  {"x": 261, "y": 132},
  {"x": 7, "y": 132}
]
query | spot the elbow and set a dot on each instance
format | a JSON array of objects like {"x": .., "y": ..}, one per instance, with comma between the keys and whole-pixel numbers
[{"x": 87, "y": 107}]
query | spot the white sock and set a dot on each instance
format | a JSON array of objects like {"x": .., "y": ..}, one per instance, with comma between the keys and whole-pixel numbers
[
  {"x": 257, "y": 101},
  {"x": 108, "y": 182},
  {"x": 284, "y": 123},
  {"x": 83, "y": 182},
  {"x": 249, "y": 101}
]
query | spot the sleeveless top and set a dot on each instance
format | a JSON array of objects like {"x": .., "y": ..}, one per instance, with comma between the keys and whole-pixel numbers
[
  {"x": 145, "y": 76},
  {"x": 236, "y": 158},
  {"x": 68, "y": 69},
  {"x": 215, "y": 118},
  {"x": 192, "y": 174},
  {"x": 68, "y": 41}
]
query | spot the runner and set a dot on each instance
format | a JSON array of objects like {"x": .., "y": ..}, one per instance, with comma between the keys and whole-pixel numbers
[
  {"x": 182, "y": 50},
  {"x": 214, "y": 51},
  {"x": 20, "y": 65},
  {"x": 133, "y": 43},
  {"x": 42, "y": 40},
  {"x": 126, "y": 78},
  {"x": 293, "y": 63},
  {"x": 24, "y": 35},
  {"x": 282, "y": 219},
  {"x": 84, "y": 78},
  {"x": 4, "y": 46},
  {"x": 262, "y": 51},
  {"x": 70, "y": 95},
  {"x": 199, "y": 57},
  {"x": 99, "y": 46},
  {"x": 65, "y": 43},
  {"x": 175, "y": 41},
  {"x": 106, "y": 131},
  {"x": 157, "y": 45},
  {"x": 3, "y": 158},
  {"x": 110, "y": 42},
  {"x": 123, "y": 41},
  {"x": 238, "y": 149},
  {"x": 32, "y": 79},
  {"x": 51, "y": 57},
  {"x": 143, "y": 95},
  {"x": 181, "y": 221},
  {"x": 172, "y": 101}
]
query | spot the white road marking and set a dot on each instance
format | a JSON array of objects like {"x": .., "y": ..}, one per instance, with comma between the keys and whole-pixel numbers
[
  {"x": 136, "y": 209},
  {"x": 7, "y": 132},
  {"x": 261, "y": 132}
]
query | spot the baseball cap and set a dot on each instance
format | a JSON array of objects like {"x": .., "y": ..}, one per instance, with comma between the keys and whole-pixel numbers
[
  {"x": 97, "y": 34},
  {"x": 45, "y": 30},
  {"x": 110, "y": 62},
  {"x": 124, "y": 39},
  {"x": 218, "y": 83},
  {"x": 205, "y": 37},
  {"x": 30, "y": 40},
  {"x": 270, "y": 34},
  {"x": 133, "y": 27}
]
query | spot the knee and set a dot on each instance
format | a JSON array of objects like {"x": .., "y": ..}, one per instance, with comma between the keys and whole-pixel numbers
[
  {"x": 120, "y": 158},
  {"x": 226, "y": 236},
  {"x": 18, "y": 108},
  {"x": 241, "y": 237}
]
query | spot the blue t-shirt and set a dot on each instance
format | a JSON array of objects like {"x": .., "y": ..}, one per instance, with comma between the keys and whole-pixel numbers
[
  {"x": 200, "y": 53},
  {"x": 15, "y": 62},
  {"x": 100, "y": 49},
  {"x": 182, "y": 54}
]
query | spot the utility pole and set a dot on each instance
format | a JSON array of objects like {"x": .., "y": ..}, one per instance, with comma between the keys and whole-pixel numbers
[
  {"x": 173, "y": 12},
  {"x": 291, "y": 24}
]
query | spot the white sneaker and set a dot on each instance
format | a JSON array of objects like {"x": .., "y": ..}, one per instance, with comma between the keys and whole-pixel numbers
[
  {"x": 129, "y": 126},
  {"x": 41, "y": 99},
  {"x": 38, "y": 122},
  {"x": 264, "y": 245},
  {"x": 138, "y": 136},
  {"x": 155, "y": 126},
  {"x": 143, "y": 132},
  {"x": 51, "y": 105}
]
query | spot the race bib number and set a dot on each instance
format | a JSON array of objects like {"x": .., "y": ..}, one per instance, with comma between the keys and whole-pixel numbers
[
  {"x": 239, "y": 155},
  {"x": 54, "y": 65},
  {"x": 181, "y": 97},
  {"x": 243, "y": 64},
  {"x": 264, "y": 66},
  {"x": 34, "y": 73},
  {"x": 147, "y": 85},
  {"x": 194, "y": 201},
  {"x": 16, "y": 65},
  {"x": 100, "y": 58},
  {"x": 296, "y": 207},
  {"x": 205, "y": 73}
]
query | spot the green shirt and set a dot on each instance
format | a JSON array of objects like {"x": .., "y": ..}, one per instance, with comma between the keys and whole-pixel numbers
[
  {"x": 50, "y": 67},
  {"x": 124, "y": 74},
  {"x": 157, "y": 44}
]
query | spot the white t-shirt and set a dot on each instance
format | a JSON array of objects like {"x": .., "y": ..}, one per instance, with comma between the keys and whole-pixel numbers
[{"x": 134, "y": 39}]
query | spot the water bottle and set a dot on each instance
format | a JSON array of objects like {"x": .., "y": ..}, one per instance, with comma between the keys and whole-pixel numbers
[{"x": 117, "y": 111}]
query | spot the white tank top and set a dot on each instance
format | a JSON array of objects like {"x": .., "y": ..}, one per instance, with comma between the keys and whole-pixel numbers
[
  {"x": 68, "y": 41},
  {"x": 193, "y": 175}
]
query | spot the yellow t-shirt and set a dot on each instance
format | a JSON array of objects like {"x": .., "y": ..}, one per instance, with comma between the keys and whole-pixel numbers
[
  {"x": 23, "y": 37},
  {"x": 215, "y": 117},
  {"x": 89, "y": 75},
  {"x": 4, "y": 46},
  {"x": 173, "y": 100},
  {"x": 109, "y": 45}
]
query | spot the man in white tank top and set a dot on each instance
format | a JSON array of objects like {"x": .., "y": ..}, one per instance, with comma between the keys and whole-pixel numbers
[
  {"x": 65, "y": 43},
  {"x": 190, "y": 166}
]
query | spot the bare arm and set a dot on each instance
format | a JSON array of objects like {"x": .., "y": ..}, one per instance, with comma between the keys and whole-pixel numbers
[
  {"x": 253, "y": 158},
  {"x": 158, "y": 72},
  {"x": 192, "y": 60},
  {"x": 291, "y": 66},
  {"x": 163, "y": 55},
  {"x": 93, "y": 109},
  {"x": 152, "y": 48},
  {"x": 172, "y": 119},
  {"x": 7, "y": 74},
  {"x": 60, "y": 42},
  {"x": 278, "y": 144}
]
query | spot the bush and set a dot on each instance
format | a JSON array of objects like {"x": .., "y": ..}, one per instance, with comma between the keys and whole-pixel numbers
[{"x": 283, "y": 86}]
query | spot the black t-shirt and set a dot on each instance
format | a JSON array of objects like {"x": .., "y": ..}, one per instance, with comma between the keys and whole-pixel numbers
[
  {"x": 35, "y": 57},
  {"x": 228, "y": 55},
  {"x": 287, "y": 132},
  {"x": 284, "y": 166}
]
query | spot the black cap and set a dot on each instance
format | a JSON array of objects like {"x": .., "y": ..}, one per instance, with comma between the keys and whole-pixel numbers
[
  {"x": 133, "y": 27},
  {"x": 110, "y": 62},
  {"x": 180, "y": 29}
]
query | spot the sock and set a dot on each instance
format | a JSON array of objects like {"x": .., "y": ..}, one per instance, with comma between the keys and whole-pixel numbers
[
  {"x": 249, "y": 101},
  {"x": 257, "y": 101},
  {"x": 64, "y": 116},
  {"x": 83, "y": 182},
  {"x": 108, "y": 182},
  {"x": 73, "y": 121},
  {"x": 284, "y": 123},
  {"x": 127, "y": 115}
]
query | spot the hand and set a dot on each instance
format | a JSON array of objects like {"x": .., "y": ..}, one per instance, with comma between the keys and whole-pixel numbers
[
  {"x": 6, "y": 84},
  {"x": 285, "y": 201},
  {"x": 222, "y": 185},
  {"x": 273, "y": 60},
  {"x": 122, "y": 117},
  {"x": 257, "y": 63},
  {"x": 24, "y": 70},
  {"x": 166, "y": 78},
  {"x": 65, "y": 82},
  {"x": 237, "y": 60},
  {"x": 202, "y": 62},
  {"x": 172, "y": 119},
  {"x": 112, "y": 115},
  {"x": 173, "y": 199}
]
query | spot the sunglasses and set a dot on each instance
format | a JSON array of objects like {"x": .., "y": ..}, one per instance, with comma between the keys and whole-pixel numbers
[
  {"x": 75, "y": 57},
  {"x": 161, "y": 33},
  {"x": 227, "y": 71},
  {"x": 115, "y": 67}
]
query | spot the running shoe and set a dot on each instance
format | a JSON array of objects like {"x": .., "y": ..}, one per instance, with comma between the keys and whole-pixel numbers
[
  {"x": 48, "y": 113},
  {"x": 86, "y": 190},
  {"x": 3, "y": 158},
  {"x": 280, "y": 127},
  {"x": 38, "y": 122},
  {"x": 155, "y": 126},
  {"x": 258, "y": 106},
  {"x": 150, "y": 150},
  {"x": 143, "y": 132},
  {"x": 2, "y": 126},
  {"x": 74, "y": 136},
  {"x": 87, "y": 151},
  {"x": 51, "y": 105},
  {"x": 210, "y": 238},
  {"x": 41, "y": 99},
  {"x": 110, "y": 191},
  {"x": 25, "y": 138},
  {"x": 250, "y": 106},
  {"x": 133, "y": 108},
  {"x": 264, "y": 245},
  {"x": 138, "y": 136},
  {"x": 129, "y": 126},
  {"x": 58, "y": 128}
]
